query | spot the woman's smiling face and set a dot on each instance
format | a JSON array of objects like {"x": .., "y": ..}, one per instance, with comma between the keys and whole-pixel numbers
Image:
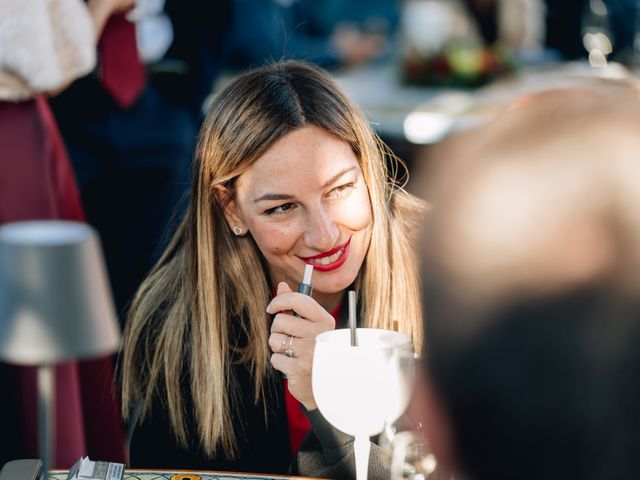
[{"x": 303, "y": 201}]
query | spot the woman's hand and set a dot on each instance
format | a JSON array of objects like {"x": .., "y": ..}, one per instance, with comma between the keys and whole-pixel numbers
[
  {"x": 101, "y": 10},
  {"x": 299, "y": 335}
]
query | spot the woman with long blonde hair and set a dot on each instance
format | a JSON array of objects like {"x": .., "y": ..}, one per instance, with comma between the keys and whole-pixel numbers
[{"x": 288, "y": 173}]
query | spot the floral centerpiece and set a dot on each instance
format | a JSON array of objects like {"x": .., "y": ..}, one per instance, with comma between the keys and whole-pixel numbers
[{"x": 459, "y": 64}]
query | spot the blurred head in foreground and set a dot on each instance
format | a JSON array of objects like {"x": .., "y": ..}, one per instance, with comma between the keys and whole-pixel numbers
[{"x": 532, "y": 279}]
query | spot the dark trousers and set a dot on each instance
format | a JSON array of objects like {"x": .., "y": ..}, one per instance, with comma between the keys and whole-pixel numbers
[{"x": 133, "y": 170}]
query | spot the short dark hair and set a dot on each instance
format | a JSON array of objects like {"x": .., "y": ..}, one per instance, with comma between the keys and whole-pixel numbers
[
  {"x": 548, "y": 389},
  {"x": 537, "y": 359}
]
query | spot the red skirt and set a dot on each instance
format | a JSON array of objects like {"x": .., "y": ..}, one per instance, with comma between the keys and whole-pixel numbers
[{"x": 37, "y": 183}]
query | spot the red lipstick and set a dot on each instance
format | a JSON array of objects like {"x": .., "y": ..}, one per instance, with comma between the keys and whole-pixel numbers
[{"x": 322, "y": 262}]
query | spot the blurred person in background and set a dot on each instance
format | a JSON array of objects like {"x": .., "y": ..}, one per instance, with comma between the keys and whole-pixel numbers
[
  {"x": 331, "y": 33},
  {"x": 44, "y": 46},
  {"x": 559, "y": 26},
  {"x": 532, "y": 277},
  {"x": 131, "y": 126},
  {"x": 516, "y": 24},
  {"x": 372, "y": 16}
]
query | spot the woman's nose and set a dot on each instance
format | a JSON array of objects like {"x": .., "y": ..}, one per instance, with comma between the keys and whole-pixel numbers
[{"x": 322, "y": 232}]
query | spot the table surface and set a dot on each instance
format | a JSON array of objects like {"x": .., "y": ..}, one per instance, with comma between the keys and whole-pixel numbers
[
  {"x": 181, "y": 475},
  {"x": 387, "y": 102},
  {"x": 378, "y": 90}
]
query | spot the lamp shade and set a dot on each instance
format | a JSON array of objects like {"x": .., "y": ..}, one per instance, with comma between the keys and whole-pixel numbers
[{"x": 55, "y": 300}]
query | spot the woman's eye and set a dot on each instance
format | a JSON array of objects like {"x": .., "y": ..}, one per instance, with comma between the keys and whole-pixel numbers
[
  {"x": 280, "y": 209},
  {"x": 342, "y": 189}
]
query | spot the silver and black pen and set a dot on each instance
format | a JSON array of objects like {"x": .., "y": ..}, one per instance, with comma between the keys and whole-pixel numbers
[{"x": 305, "y": 287}]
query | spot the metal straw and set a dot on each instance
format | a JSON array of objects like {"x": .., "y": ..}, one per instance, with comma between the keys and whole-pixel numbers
[{"x": 352, "y": 318}]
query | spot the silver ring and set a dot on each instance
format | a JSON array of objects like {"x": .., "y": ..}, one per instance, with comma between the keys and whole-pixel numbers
[
  {"x": 289, "y": 350},
  {"x": 284, "y": 342}
]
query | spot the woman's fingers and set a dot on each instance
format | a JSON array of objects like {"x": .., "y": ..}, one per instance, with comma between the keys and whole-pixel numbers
[
  {"x": 299, "y": 327},
  {"x": 303, "y": 305},
  {"x": 296, "y": 348},
  {"x": 283, "y": 287},
  {"x": 278, "y": 342},
  {"x": 289, "y": 366},
  {"x": 293, "y": 338},
  {"x": 298, "y": 376}
]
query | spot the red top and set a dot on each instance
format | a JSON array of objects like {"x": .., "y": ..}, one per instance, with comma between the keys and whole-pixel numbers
[{"x": 296, "y": 419}]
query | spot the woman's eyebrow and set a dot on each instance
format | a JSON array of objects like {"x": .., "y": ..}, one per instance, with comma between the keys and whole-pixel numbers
[
  {"x": 286, "y": 196},
  {"x": 337, "y": 176},
  {"x": 273, "y": 196}
]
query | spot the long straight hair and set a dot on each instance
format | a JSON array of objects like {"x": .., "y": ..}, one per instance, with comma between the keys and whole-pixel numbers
[{"x": 210, "y": 283}]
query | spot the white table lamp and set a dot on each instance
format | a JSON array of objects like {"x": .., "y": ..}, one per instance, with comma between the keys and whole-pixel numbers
[{"x": 55, "y": 305}]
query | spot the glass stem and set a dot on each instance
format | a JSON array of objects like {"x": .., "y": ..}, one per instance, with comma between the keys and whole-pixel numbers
[{"x": 361, "y": 448}]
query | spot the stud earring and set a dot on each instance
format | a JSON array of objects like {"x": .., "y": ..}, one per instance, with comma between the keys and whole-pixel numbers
[{"x": 238, "y": 230}]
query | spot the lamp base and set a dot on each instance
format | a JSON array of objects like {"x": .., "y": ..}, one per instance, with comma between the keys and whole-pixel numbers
[{"x": 46, "y": 419}]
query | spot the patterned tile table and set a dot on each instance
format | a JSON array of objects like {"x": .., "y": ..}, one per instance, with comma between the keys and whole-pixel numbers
[{"x": 173, "y": 475}]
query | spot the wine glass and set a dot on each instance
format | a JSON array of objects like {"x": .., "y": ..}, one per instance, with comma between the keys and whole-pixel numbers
[
  {"x": 353, "y": 385},
  {"x": 405, "y": 448},
  {"x": 404, "y": 363},
  {"x": 411, "y": 458}
]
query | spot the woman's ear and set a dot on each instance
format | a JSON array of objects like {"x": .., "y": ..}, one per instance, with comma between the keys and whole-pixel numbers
[{"x": 226, "y": 199}]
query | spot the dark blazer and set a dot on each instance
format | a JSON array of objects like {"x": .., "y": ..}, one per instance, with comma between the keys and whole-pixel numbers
[{"x": 263, "y": 443}]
